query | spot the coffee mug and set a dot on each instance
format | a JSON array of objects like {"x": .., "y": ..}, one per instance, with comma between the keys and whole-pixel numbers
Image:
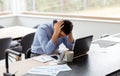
[{"x": 68, "y": 57}]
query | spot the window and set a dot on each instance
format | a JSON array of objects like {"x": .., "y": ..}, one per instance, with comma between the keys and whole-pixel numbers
[
  {"x": 98, "y": 9},
  {"x": 94, "y": 8},
  {"x": 4, "y": 6}
]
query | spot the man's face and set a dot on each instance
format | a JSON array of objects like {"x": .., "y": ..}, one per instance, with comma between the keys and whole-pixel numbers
[{"x": 62, "y": 34}]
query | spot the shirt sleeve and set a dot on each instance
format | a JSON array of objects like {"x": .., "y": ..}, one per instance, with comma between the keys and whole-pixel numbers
[{"x": 68, "y": 44}]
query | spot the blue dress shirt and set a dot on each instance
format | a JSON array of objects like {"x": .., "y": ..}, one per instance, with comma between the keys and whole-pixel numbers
[{"x": 43, "y": 44}]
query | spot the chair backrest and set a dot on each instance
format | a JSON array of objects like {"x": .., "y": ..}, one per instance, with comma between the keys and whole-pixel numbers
[
  {"x": 26, "y": 42},
  {"x": 1, "y": 26},
  {"x": 28, "y": 53},
  {"x": 35, "y": 27},
  {"x": 4, "y": 44}
]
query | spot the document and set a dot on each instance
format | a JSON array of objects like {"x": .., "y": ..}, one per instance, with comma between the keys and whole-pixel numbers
[
  {"x": 107, "y": 41},
  {"x": 43, "y": 58},
  {"x": 115, "y": 39},
  {"x": 49, "y": 70}
]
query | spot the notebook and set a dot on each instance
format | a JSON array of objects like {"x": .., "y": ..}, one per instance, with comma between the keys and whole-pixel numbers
[{"x": 82, "y": 46}]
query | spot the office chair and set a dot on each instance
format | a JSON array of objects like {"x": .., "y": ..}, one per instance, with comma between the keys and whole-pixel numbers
[
  {"x": 4, "y": 44},
  {"x": 35, "y": 27},
  {"x": 28, "y": 53},
  {"x": 1, "y": 26},
  {"x": 25, "y": 43}
]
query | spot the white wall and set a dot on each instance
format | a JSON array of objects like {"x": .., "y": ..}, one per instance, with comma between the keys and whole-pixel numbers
[
  {"x": 81, "y": 27},
  {"x": 8, "y": 21}
]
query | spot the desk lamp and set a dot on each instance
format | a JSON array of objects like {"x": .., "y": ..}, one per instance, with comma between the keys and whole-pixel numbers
[{"x": 6, "y": 61}]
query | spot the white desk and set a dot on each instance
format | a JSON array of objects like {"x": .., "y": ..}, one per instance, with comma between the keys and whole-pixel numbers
[
  {"x": 15, "y": 32},
  {"x": 98, "y": 62},
  {"x": 21, "y": 67}
]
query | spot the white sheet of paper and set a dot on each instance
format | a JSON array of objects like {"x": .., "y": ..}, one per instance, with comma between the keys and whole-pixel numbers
[
  {"x": 49, "y": 70},
  {"x": 63, "y": 67},
  {"x": 43, "y": 58},
  {"x": 116, "y": 39}
]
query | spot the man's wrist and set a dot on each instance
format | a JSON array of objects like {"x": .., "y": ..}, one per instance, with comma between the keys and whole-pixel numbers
[
  {"x": 54, "y": 38},
  {"x": 73, "y": 42}
]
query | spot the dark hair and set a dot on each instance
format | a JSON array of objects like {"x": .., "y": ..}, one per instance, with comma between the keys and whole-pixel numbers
[
  {"x": 68, "y": 26},
  {"x": 54, "y": 21}
]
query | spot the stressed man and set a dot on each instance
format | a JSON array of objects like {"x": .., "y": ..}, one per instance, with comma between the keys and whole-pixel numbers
[{"x": 49, "y": 36}]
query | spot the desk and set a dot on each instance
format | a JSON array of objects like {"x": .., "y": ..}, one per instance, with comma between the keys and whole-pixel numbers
[
  {"x": 97, "y": 63},
  {"x": 15, "y": 32},
  {"x": 21, "y": 67}
]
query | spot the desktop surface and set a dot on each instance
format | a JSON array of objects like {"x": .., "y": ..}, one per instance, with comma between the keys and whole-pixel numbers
[
  {"x": 16, "y": 32},
  {"x": 95, "y": 63}
]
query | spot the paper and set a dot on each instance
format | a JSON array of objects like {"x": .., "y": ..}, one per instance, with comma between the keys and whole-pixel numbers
[
  {"x": 107, "y": 41},
  {"x": 43, "y": 71},
  {"x": 116, "y": 39},
  {"x": 63, "y": 67},
  {"x": 49, "y": 70},
  {"x": 43, "y": 58}
]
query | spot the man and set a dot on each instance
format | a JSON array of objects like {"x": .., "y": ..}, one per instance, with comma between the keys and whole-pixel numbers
[{"x": 49, "y": 36}]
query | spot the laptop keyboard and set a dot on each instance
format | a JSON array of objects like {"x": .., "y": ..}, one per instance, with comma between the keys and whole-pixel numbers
[{"x": 115, "y": 73}]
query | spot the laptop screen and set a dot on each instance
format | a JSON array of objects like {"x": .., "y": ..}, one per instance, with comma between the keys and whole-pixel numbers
[{"x": 82, "y": 46}]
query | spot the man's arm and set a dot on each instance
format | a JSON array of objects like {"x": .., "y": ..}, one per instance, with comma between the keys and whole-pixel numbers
[
  {"x": 57, "y": 30},
  {"x": 42, "y": 44},
  {"x": 70, "y": 38},
  {"x": 69, "y": 41}
]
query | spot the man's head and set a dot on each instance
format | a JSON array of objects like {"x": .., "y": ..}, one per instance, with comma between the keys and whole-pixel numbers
[
  {"x": 66, "y": 29},
  {"x": 68, "y": 26}
]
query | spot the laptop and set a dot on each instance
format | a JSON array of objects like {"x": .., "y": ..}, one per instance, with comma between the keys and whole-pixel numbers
[{"x": 82, "y": 46}]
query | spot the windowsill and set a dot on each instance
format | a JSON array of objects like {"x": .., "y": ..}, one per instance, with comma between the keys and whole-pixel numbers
[
  {"x": 4, "y": 15},
  {"x": 71, "y": 17}
]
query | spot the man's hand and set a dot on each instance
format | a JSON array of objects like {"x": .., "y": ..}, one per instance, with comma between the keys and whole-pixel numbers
[
  {"x": 57, "y": 30},
  {"x": 70, "y": 38},
  {"x": 57, "y": 27}
]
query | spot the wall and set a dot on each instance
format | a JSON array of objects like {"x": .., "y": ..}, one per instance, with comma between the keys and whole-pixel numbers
[
  {"x": 81, "y": 27},
  {"x": 8, "y": 21}
]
